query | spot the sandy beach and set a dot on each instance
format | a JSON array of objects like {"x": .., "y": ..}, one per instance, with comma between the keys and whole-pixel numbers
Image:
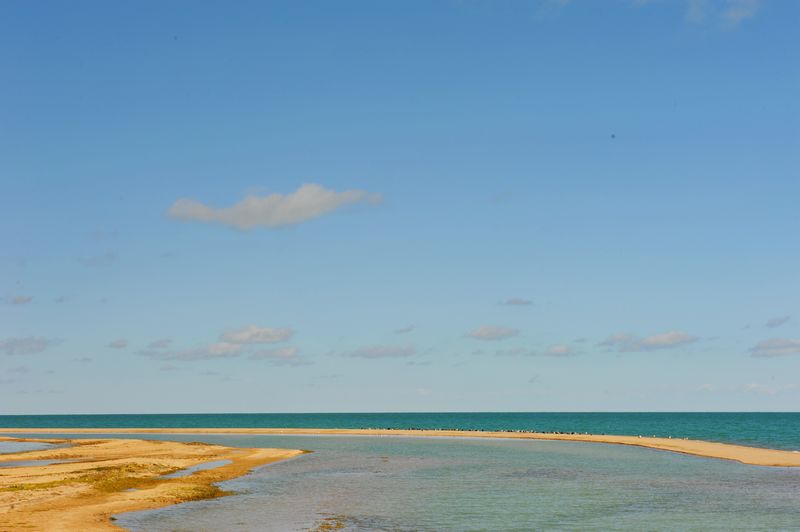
[
  {"x": 100, "y": 478},
  {"x": 739, "y": 453}
]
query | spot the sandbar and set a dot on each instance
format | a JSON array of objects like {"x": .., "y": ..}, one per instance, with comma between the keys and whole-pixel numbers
[
  {"x": 726, "y": 451},
  {"x": 107, "y": 477}
]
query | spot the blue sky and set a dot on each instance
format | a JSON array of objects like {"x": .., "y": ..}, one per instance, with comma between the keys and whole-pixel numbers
[{"x": 399, "y": 206}]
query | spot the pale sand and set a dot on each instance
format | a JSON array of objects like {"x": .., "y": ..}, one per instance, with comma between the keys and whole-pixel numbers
[
  {"x": 739, "y": 453},
  {"x": 84, "y": 494}
]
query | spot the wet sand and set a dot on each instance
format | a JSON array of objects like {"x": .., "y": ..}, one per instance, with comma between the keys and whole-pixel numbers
[
  {"x": 107, "y": 477},
  {"x": 739, "y": 453}
]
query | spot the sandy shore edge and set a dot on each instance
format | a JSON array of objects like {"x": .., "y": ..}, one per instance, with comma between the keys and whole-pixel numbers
[
  {"x": 103, "y": 477},
  {"x": 739, "y": 453}
]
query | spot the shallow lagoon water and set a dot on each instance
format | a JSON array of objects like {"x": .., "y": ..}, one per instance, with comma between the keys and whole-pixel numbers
[
  {"x": 29, "y": 463},
  {"x": 7, "y": 447},
  {"x": 195, "y": 468},
  {"x": 403, "y": 484}
]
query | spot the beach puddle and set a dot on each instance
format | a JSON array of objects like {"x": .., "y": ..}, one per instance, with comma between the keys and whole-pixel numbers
[
  {"x": 9, "y": 447},
  {"x": 199, "y": 467}
]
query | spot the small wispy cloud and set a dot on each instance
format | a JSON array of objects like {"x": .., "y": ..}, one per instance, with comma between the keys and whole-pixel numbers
[
  {"x": 777, "y": 322},
  {"x": 99, "y": 261},
  {"x": 384, "y": 351},
  {"x": 492, "y": 332},
  {"x": 768, "y": 389},
  {"x": 273, "y": 210},
  {"x": 283, "y": 356},
  {"x": 775, "y": 347},
  {"x": 404, "y": 330},
  {"x": 26, "y": 345},
  {"x": 232, "y": 343},
  {"x": 728, "y": 13},
  {"x": 517, "y": 302},
  {"x": 558, "y": 350},
  {"x": 737, "y": 11},
  {"x": 120, "y": 343},
  {"x": 102, "y": 234},
  {"x": 257, "y": 335},
  {"x": 159, "y": 344},
  {"x": 209, "y": 352},
  {"x": 630, "y": 343}
]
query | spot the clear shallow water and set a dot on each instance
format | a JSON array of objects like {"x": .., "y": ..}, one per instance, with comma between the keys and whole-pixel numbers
[
  {"x": 199, "y": 467},
  {"x": 28, "y": 463},
  {"x": 403, "y": 484},
  {"x": 776, "y": 430},
  {"x": 7, "y": 447}
]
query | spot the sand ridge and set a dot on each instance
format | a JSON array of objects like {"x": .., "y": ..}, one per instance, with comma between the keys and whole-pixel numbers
[{"x": 726, "y": 451}]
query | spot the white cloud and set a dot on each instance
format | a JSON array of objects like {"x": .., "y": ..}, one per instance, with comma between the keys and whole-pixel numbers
[
  {"x": 218, "y": 350},
  {"x": 492, "y": 332},
  {"x": 558, "y": 350},
  {"x": 273, "y": 210},
  {"x": 159, "y": 344},
  {"x": 27, "y": 345},
  {"x": 257, "y": 335},
  {"x": 728, "y": 13},
  {"x": 232, "y": 344},
  {"x": 768, "y": 389},
  {"x": 118, "y": 344},
  {"x": 209, "y": 352},
  {"x": 517, "y": 302},
  {"x": 384, "y": 351},
  {"x": 736, "y": 11},
  {"x": 630, "y": 343},
  {"x": 777, "y": 322},
  {"x": 696, "y": 11},
  {"x": 99, "y": 261},
  {"x": 775, "y": 347},
  {"x": 283, "y": 356}
]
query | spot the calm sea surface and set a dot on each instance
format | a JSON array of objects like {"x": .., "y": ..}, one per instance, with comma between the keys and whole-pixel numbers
[
  {"x": 776, "y": 430},
  {"x": 455, "y": 484}
]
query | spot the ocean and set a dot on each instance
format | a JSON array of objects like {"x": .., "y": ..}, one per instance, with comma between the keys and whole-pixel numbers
[
  {"x": 761, "y": 429},
  {"x": 369, "y": 483}
]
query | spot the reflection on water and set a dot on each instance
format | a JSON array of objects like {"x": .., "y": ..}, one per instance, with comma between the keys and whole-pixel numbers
[{"x": 398, "y": 484}]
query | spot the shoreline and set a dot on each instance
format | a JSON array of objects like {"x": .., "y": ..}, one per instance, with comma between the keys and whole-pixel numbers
[
  {"x": 739, "y": 453},
  {"x": 95, "y": 479}
]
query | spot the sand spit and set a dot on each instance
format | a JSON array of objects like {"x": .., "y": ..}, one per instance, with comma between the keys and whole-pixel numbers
[
  {"x": 739, "y": 453},
  {"x": 107, "y": 477}
]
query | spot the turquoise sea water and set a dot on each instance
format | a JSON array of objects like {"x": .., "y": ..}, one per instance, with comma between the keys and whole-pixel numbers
[{"x": 776, "y": 430}]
